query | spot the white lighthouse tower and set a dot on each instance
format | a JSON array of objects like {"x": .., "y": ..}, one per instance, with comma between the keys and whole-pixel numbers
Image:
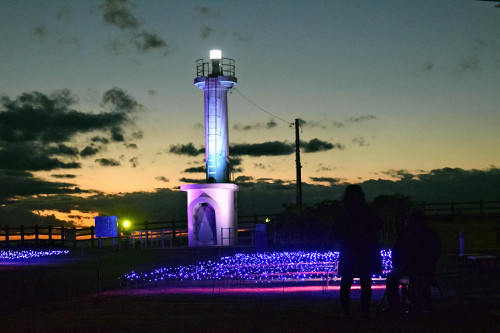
[{"x": 212, "y": 217}]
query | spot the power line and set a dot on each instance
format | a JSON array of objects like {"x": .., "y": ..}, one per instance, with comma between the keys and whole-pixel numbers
[{"x": 261, "y": 109}]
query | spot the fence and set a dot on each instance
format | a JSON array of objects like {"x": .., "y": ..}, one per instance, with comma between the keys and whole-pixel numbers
[
  {"x": 456, "y": 208},
  {"x": 174, "y": 232}
]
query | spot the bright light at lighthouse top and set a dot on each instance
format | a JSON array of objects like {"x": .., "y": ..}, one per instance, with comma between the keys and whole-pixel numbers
[{"x": 215, "y": 54}]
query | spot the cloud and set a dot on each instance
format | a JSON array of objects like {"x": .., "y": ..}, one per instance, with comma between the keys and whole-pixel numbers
[
  {"x": 146, "y": 41},
  {"x": 68, "y": 176},
  {"x": 187, "y": 149},
  {"x": 107, "y": 162},
  {"x": 118, "y": 100},
  {"x": 263, "y": 196},
  {"x": 329, "y": 180},
  {"x": 272, "y": 148},
  {"x": 205, "y": 11},
  {"x": 198, "y": 169},
  {"x": 472, "y": 62},
  {"x": 242, "y": 37},
  {"x": 192, "y": 180},
  {"x": 162, "y": 179},
  {"x": 89, "y": 151},
  {"x": 361, "y": 118},
  {"x": 360, "y": 141},
  {"x": 270, "y": 124},
  {"x": 36, "y": 130},
  {"x": 316, "y": 145},
  {"x": 40, "y": 31},
  {"x": 118, "y": 14},
  {"x": 134, "y": 161},
  {"x": 205, "y": 32},
  {"x": 428, "y": 66},
  {"x": 399, "y": 174},
  {"x": 22, "y": 184}
]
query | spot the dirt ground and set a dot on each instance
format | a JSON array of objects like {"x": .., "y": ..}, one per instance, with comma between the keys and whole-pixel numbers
[{"x": 82, "y": 294}]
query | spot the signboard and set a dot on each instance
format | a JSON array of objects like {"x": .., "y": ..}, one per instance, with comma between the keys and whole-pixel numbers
[{"x": 106, "y": 226}]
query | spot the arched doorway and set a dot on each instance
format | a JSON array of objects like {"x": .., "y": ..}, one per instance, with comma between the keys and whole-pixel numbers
[{"x": 204, "y": 226}]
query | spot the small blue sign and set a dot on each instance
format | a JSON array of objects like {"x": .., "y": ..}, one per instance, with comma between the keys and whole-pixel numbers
[{"x": 106, "y": 226}]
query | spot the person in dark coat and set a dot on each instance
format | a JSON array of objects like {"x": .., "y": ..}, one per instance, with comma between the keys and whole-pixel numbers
[
  {"x": 357, "y": 229},
  {"x": 414, "y": 255}
]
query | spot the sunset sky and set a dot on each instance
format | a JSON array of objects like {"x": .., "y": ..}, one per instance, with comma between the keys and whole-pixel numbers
[{"x": 98, "y": 107}]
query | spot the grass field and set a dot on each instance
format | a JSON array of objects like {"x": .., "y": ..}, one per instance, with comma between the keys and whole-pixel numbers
[{"x": 81, "y": 293}]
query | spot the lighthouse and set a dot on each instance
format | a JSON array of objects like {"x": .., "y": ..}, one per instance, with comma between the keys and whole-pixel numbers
[{"x": 211, "y": 207}]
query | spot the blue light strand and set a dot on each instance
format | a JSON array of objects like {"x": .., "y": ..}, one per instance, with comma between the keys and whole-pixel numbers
[
  {"x": 259, "y": 267},
  {"x": 29, "y": 254}
]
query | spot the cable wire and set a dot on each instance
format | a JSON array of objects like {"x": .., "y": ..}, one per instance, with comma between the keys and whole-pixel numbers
[{"x": 258, "y": 107}]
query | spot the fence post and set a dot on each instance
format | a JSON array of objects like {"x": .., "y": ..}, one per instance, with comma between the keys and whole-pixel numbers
[
  {"x": 481, "y": 207},
  {"x": 62, "y": 235},
  {"x": 147, "y": 233},
  {"x": 452, "y": 208},
  {"x": 423, "y": 208},
  {"x": 92, "y": 232},
  {"x": 73, "y": 235},
  {"x": 7, "y": 234},
  {"x": 36, "y": 234},
  {"x": 50, "y": 234},
  {"x": 22, "y": 234},
  {"x": 173, "y": 228}
]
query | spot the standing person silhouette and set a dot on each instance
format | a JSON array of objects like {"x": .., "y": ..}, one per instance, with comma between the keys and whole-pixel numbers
[{"x": 357, "y": 229}]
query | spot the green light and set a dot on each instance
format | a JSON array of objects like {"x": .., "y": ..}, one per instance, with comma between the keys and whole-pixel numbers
[
  {"x": 268, "y": 220},
  {"x": 126, "y": 224}
]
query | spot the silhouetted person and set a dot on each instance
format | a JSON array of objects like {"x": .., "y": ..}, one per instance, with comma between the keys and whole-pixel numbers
[
  {"x": 414, "y": 255},
  {"x": 357, "y": 229}
]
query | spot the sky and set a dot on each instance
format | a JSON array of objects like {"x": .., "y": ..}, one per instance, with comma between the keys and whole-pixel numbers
[{"x": 99, "y": 114}]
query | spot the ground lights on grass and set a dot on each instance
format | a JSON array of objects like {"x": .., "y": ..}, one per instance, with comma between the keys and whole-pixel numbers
[
  {"x": 257, "y": 266},
  {"x": 29, "y": 254}
]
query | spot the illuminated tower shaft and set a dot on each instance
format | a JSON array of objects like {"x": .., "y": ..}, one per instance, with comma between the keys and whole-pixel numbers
[{"x": 215, "y": 78}]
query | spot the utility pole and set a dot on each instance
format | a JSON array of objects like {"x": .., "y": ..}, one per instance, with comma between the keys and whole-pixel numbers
[{"x": 297, "y": 165}]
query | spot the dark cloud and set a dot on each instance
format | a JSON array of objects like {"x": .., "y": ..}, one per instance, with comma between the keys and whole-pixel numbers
[
  {"x": 428, "y": 66},
  {"x": 399, "y": 174},
  {"x": 146, "y": 41},
  {"x": 361, "y": 118},
  {"x": 205, "y": 31},
  {"x": 192, "y": 180},
  {"x": 274, "y": 148},
  {"x": 187, "y": 149},
  {"x": 35, "y": 128},
  {"x": 118, "y": 100},
  {"x": 118, "y": 13},
  {"x": 329, "y": 180},
  {"x": 205, "y": 11},
  {"x": 162, "y": 179},
  {"x": 337, "y": 124},
  {"x": 107, "y": 162},
  {"x": 40, "y": 31},
  {"x": 264, "y": 196},
  {"x": 130, "y": 145},
  {"x": 321, "y": 167},
  {"x": 134, "y": 161},
  {"x": 68, "y": 176},
  {"x": 100, "y": 140},
  {"x": 89, "y": 151},
  {"x": 198, "y": 169},
  {"x": 21, "y": 184},
  {"x": 316, "y": 145}
]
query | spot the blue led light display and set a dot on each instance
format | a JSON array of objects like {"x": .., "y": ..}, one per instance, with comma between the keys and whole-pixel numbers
[
  {"x": 258, "y": 267},
  {"x": 29, "y": 254}
]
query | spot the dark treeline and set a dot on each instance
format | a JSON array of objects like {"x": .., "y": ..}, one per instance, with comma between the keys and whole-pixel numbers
[{"x": 313, "y": 226}]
